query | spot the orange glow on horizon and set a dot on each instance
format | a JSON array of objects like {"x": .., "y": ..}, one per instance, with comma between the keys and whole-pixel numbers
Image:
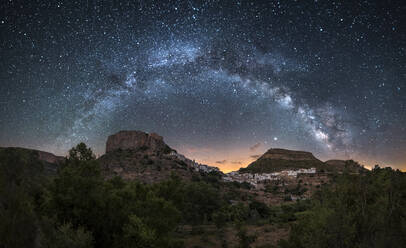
[
  {"x": 225, "y": 159},
  {"x": 228, "y": 160}
]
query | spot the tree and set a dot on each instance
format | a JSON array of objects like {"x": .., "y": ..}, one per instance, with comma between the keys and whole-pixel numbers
[
  {"x": 138, "y": 235},
  {"x": 245, "y": 240},
  {"x": 366, "y": 210},
  {"x": 20, "y": 184},
  {"x": 81, "y": 153},
  {"x": 77, "y": 195},
  {"x": 220, "y": 217},
  {"x": 66, "y": 236},
  {"x": 116, "y": 212}
]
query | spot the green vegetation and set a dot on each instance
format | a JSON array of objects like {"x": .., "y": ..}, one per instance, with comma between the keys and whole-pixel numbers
[
  {"x": 245, "y": 240},
  {"x": 367, "y": 210},
  {"x": 20, "y": 172},
  {"x": 77, "y": 207}
]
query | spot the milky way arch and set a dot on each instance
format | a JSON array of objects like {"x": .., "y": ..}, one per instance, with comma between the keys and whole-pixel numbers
[{"x": 187, "y": 70}]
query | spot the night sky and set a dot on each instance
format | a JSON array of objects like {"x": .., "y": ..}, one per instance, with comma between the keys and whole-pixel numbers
[{"x": 221, "y": 81}]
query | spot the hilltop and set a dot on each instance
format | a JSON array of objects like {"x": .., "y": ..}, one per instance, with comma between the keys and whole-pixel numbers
[
  {"x": 281, "y": 159},
  {"x": 146, "y": 157},
  {"x": 276, "y": 159}
]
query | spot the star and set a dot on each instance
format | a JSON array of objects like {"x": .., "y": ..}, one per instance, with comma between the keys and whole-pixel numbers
[{"x": 212, "y": 75}]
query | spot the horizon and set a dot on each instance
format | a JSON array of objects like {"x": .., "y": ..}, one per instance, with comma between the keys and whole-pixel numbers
[
  {"x": 221, "y": 81},
  {"x": 225, "y": 166}
]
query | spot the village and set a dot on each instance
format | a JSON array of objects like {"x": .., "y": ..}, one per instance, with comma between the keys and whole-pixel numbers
[
  {"x": 235, "y": 176},
  {"x": 195, "y": 165},
  {"x": 257, "y": 178}
]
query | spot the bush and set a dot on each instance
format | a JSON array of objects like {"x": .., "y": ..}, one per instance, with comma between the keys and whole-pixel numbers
[
  {"x": 116, "y": 212},
  {"x": 366, "y": 210},
  {"x": 220, "y": 217},
  {"x": 262, "y": 208},
  {"x": 245, "y": 240},
  {"x": 66, "y": 236}
]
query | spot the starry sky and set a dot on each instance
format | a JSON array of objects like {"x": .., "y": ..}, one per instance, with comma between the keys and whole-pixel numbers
[{"x": 222, "y": 81}]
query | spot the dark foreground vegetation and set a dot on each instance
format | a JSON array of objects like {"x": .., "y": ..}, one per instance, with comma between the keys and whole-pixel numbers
[
  {"x": 366, "y": 210},
  {"x": 77, "y": 207}
]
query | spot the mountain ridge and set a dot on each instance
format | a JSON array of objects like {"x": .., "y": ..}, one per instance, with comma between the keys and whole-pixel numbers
[
  {"x": 279, "y": 159},
  {"x": 127, "y": 149}
]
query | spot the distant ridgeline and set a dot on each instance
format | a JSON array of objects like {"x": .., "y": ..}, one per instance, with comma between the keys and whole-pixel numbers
[
  {"x": 146, "y": 157},
  {"x": 275, "y": 160},
  {"x": 35, "y": 161}
]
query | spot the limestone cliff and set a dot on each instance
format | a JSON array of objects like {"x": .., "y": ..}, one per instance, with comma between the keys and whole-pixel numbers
[
  {"x": 146, "y": 157},
  {"x": 137, "y": 140}
]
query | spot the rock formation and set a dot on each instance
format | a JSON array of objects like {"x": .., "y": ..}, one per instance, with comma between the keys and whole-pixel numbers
[
  {"x": 146, "y": 157},
  {"x": 136, "y": 140}
]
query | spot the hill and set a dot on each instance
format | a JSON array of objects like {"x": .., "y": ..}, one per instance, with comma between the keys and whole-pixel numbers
[
  {"x": 34, "y": 160},
  {"x": 281, "y": 159},
  {"x": 344, "y": 165},
  {"x": 146, "y": 157},
  {"x": 276, "y": 159}
]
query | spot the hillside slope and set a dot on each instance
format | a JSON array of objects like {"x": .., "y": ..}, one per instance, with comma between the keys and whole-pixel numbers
[
  {"x": 281, "y": 159},
  {"x": 145, "y": 157}
]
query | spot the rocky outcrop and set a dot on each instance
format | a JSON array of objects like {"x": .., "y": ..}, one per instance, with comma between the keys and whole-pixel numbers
[
  {"x": 137, "y": 140},
  {"x": 136, "y": 155}
]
